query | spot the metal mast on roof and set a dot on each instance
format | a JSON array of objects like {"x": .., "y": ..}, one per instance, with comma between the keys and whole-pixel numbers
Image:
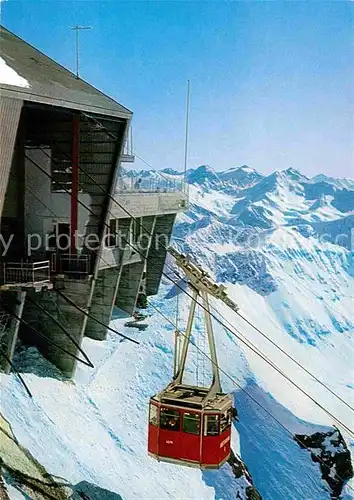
[
  {"x": 77, "y": 29},
  {"x": 187, "y": 131}
]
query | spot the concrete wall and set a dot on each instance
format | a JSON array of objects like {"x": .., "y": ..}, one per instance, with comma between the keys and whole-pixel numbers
[
  {"x": 10, "y": 112},
  {"x": 157, "y": 253},
  {"x": 131, "y": 275},
  {"x": 42, "y": 207},
  {"x": 71, "y": 319},
  {"x": 12, "y": 195},
  {"x": 105, "y": 289},
  {"x": 14, "y": 301}
]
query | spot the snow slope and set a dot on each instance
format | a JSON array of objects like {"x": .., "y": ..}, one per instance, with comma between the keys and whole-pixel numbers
[{"x": 263, "y": 237}]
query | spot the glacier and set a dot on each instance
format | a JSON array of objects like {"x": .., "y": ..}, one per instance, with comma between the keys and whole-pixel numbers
[{"x": 282, "y": 244}]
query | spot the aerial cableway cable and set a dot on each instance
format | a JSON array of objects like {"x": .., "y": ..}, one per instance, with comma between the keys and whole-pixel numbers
[
  {"x": 176, "y": 284},
  {"x": 76, "y": 344},
  {"x": 6, "y": 357},
  {"x": 255, "y": 350},
  {"x": 115, "y": 138},
  {"x": 285, "y": 353},
  {"x": 293, "y": 359},
  {"x": 302, "y": 285},
  {"x": 250, "y": 396},
  {"x": 71, "y": 302},
  {"x": 179, "y": 276},
  {"x": 268, "y": 361}
]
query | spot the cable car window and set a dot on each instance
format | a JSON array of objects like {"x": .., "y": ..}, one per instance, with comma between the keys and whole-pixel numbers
[
  {"x": 169, "y": 419},
  {"x": 154, "y": 420},
  {"x": 191, "y": 423},
  {"x": 211, "y": 425},
  {"x": 225, "y": 420}
]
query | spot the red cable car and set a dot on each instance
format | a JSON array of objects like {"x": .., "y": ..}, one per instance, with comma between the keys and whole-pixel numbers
[{"x": 191, "y": 425}]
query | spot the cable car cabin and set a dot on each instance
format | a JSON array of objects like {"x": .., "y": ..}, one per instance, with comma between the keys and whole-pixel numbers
[
  {"x": 191, "y": 425},
  {"x": 187, "y": 429}
]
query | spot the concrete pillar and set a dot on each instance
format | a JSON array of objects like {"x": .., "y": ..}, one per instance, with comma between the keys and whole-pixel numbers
[
  {"x": 9, "y": 338},
  {"x": 132, "y": 274},
  {"x": 102, "y": 303},
  {"x": 105, "y": 288},
  {"x": 157, "y": 252},
  {"x": 73, "y": 320}
]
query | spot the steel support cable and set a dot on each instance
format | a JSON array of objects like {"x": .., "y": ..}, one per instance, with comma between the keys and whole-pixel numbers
[
  {"x": 232, "y": 379},
  {"x": 37, "y": 332},
  {"x": 5, "y": 356},
  {"x": 71, "y": 302},
  {"x": 302, "y": 285},
  {"x": 213, "y": 315},
  {"x": 268, "y": 361},
  {"x": 123, "y": 208},
  {"x": 265, "y": 358},
  {"x": 286, "y": 354},
  {"x": 179, "y": 276},
  {"x": 273, "y": 343},
  {"x": 248, "y": 393},
  {"x": 120, "y": 142},
  {"x": 90, "y": 316},
  {"x": 293, "y": 359},
  {"x": 79, "y": 201},
  {"x": 104, "y": 190},
  {"x": 51, "y": 211},
  {"x": 237, "y": 336},
  {"x": 145, "y": 258},
  {"x": 76, "y": 344}
]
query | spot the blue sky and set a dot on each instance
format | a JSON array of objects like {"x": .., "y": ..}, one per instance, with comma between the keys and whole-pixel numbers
[{"x": 271, "y": 82}]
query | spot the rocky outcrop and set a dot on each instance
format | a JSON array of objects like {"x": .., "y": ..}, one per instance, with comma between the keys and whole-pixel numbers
[
  {"x": 20, "y": 469},
  {"x": 3, "y": 490},
  {"x": 30, "y": 479},
  {"x": 330, "y": 451}
]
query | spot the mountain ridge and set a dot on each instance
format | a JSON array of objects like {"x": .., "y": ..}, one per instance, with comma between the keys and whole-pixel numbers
[{"x": 282, "y": 246}]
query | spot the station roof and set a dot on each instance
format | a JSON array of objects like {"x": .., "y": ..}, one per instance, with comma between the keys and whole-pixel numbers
[{"x": 29, "y": 75}]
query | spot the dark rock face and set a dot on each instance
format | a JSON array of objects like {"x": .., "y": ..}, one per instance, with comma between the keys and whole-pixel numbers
[
  {"x": 239, "y": 469},
  {"x": 331, "y": 452},
  {"x": 3, "y": 490}
]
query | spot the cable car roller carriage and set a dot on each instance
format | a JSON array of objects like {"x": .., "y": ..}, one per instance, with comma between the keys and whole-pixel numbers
[{"x": 191, "y": 425}]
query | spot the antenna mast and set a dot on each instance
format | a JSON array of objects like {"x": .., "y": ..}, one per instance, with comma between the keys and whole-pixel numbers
[
  {"x": 77, "y": 29},
  {"x": 187, "y": 130}
]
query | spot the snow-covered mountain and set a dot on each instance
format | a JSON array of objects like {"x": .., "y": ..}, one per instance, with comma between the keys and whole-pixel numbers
[{"x": 284, "y": 246}]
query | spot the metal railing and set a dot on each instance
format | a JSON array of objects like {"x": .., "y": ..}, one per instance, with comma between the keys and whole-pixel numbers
[
  {"x": 139, "y": 184},
  {"x": 128, "y": 154},
  {"x": 71, "y": 264},
  {"x": 25, "y": 272}
]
